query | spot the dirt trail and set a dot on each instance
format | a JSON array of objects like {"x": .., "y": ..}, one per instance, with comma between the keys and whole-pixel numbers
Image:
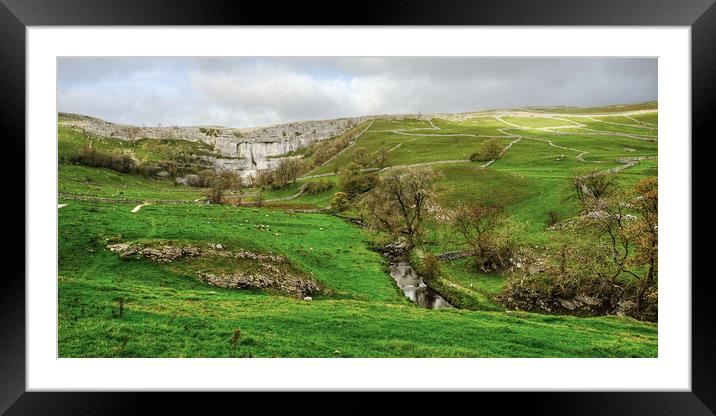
[
  {"x": 502, "y": 152},
  {"x": 622, "y": 124},
  {"x": 138, "y": 207},
  {"x": 350, "y": 145},
  {"x": 287, "y": 198}
]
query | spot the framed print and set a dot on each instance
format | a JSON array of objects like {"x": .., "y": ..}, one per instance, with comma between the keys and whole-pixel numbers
[{"x": 408, "y": 202}]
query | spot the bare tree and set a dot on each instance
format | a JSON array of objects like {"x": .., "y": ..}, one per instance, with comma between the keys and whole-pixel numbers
[{"x": 288, "y": 171}]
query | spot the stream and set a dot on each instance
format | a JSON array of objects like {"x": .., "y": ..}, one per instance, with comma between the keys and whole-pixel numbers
[{"x": 414, "y": 288}]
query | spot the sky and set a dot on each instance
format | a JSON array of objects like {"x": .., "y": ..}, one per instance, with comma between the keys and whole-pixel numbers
[{"x": 245, "y": 91}]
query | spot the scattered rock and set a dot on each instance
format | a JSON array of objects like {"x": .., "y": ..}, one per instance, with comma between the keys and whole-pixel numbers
[{"x": 308, "y": 298}]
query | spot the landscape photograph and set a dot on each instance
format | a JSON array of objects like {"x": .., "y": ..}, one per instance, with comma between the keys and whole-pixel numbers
[{"x": 357, "y": 207}]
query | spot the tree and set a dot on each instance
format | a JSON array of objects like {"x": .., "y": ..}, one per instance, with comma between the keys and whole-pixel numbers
[
  {"x": 353, "y": 181},
  {"x": 645, "y": 233},
  {"x": 232, "y": 180},
  {"x": 288, "y": 171},
  {"x": 489, "y": 150},
  {"x": 360, "y": 156},
  {"x": 399, "y": 202},
  {"x": 259, "y": 199},
  {"x": 206, "y": 177},
  {"x": 486, "y": 230},
  {"x": 623, "y": 241},
  {"x": 216, "y": 189},
  {"x": 263, "y": 179},
  {"x": 591, "y": 188},
  {"x": 381, "y": 157}
]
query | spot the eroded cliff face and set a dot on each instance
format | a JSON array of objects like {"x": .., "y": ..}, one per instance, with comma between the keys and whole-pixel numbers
[{"x": 243, "y": 150}]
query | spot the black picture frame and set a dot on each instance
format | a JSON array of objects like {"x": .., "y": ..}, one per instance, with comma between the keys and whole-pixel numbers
[{"x": 16, "y": 15}]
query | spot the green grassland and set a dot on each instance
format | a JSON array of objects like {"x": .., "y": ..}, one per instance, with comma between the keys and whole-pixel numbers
[
  {"x": 652, "y": 118},
  {"x": 648, "y": 105},
  {"x": 70, "y": 141},
  {"x": 106, "y": 183},
  {"x": 169, "y": 313},
  {"x": 536, "y": 122}
]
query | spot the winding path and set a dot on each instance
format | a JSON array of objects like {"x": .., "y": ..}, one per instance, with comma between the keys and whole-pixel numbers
[{"x": 138, "y": 207}]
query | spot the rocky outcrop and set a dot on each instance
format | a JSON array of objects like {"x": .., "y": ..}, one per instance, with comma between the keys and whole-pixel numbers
[
  {"x": 244, "y": 150},
  {"x": 268, "y": 277},
  {"x": 250, "y": 270}
]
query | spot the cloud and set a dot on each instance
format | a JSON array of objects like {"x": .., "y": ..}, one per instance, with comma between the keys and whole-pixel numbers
[{"x": 258, "y": 91}]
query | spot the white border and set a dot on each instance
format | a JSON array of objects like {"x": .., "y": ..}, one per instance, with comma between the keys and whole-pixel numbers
[{"x": 670, "y": 371}]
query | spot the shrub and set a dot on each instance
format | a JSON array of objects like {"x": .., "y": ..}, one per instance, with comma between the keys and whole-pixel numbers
[
  {"x": 263, "y": 179},
  {"x": 339, "y": 202},
  {"x": 209, "y": 132},
  {"x": 488, "y": 232},
  {"x": 259, "y": 199},
  {"x": 232, "y": 180},
  {"x": 215, "y": 192},
  {"x": 489, "y": 150},
  {"x": 552, "y": 218},
  {"x": 97, "y": 158},
  {"x": 206, "y": 176},
  {"x": 353, "y": 181},
  {"x": 312, "y": 188},
  {"x": 148, "y": 169},
  {"x": 193, "y": 180},
  {"x": 430, "y": 267}
]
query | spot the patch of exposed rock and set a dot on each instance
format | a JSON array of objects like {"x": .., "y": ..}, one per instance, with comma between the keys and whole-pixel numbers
[
  {"x": 267, "y": 271},
  {"x": 268, "y": 277},
  {"x": 159, "y": 254}
]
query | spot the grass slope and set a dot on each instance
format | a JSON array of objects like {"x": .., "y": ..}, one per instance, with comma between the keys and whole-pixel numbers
[{"x": 171, "y": 315}]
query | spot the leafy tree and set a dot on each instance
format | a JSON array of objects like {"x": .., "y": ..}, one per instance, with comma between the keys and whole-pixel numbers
[
  {"x": 399, "y": 202},
  {"x": 353, "y": 181},
  {"x": 381, "y": 157},
  {"x": 591, "y": 188},
  {"x": 488, "y": 233},
  {"x": 360, "y": 156},
  {"x": 489, "y": 150}
]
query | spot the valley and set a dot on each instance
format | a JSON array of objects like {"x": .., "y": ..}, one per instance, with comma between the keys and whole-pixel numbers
[{"x": 312, "y": 278}]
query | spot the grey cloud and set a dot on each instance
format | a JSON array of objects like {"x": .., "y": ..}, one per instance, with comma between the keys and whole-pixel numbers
[{"x": 257, "y": 91}]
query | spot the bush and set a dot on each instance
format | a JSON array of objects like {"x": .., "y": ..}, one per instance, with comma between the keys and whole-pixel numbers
[
  {"x": 339, "y": 202},
  {"x": 97, "y": 158},
  {"x": 215, "y": 192},
  {"x": 263, "y": 179},
  {"x": 552, "y": 218},
  {"x": 206, "y": 176},
  {"x": 148, "y": 169},
  {"x": 232, "y": 180},
  {"x": 353, "y": 181},
  {"x": 312, "y": 188},
  {"x": 489, "y": 150},
  {"x": 429, "y": 269},
  {"x": 193, "y": 180}
]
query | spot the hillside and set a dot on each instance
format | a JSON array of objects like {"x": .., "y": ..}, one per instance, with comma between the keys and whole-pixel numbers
[{"x": 143, "y": 307}]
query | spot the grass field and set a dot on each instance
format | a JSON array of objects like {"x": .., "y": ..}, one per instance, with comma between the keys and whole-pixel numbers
[{"x": 167, "y": 312}]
